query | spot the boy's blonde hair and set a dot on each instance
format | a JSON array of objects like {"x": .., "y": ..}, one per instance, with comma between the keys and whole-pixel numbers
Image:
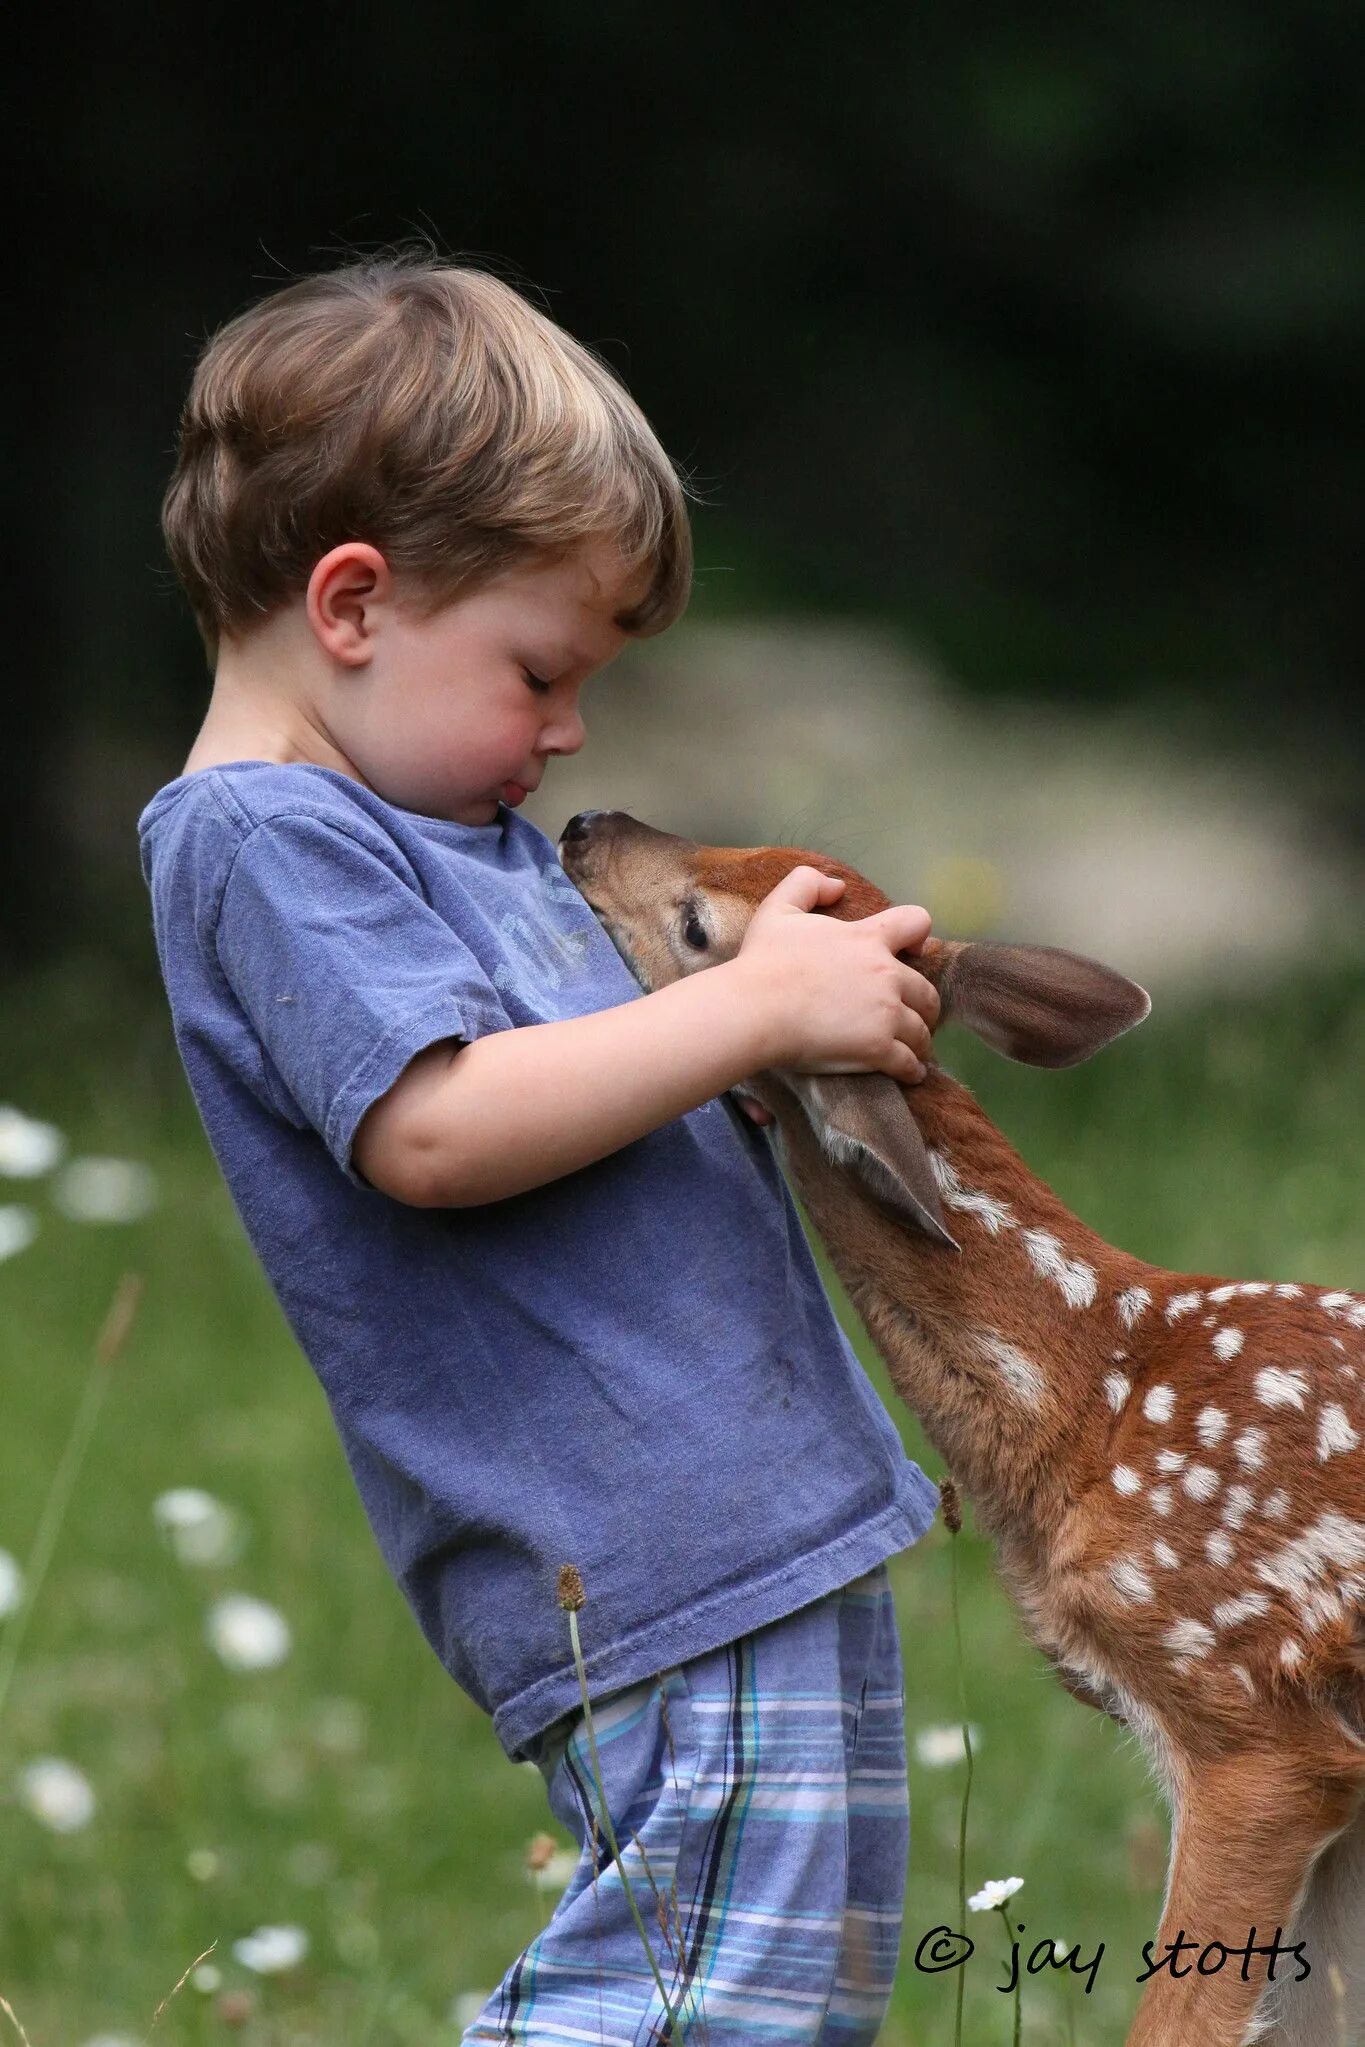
[{"x": 424, "y": 407}]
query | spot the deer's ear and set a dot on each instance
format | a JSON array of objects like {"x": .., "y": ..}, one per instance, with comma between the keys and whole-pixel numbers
[
  {"x": 1034, "y": 1003},
  {"x": 864, "y": 1124}
]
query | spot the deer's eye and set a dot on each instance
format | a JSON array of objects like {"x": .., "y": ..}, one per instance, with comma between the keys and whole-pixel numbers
[{"x": 694, "y": 931}]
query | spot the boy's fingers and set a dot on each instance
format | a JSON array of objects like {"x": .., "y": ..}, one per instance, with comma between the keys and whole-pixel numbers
[
  {"x": 917, "y": 1035},
  {"x": 920, "y": 994},
  {"x": 904, "y": 926},
  {"x": 806, "y": 888},
  {"x": 904, "y": 1064}
]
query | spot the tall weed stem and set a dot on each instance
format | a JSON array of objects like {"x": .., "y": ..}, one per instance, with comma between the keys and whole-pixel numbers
[
  {"x": 108, "y": 1344},
  {"x": 571, "y": 1598}
]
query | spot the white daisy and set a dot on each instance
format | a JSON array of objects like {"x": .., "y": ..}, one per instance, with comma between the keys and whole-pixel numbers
[
  {"x": 271, "y": 1949},
  {"x": 339, "y": 1726},
  {"x": 247, "y": 1634},
  {"x": 198, "y": 1528},
  {"x": 557, "y": 1872},
  {"x": 465, "y": 2008},
  {"x": 939, "y": 1747},
  {"x": 58, "y": 1794},
  {"x": 11, "y": 1583},
  {"x": 27, "y": 1147},
  {"x": 995, "y": 1893},
  {"x": 18, "y": 1228},
  {"x": 103, "y": 1190}
]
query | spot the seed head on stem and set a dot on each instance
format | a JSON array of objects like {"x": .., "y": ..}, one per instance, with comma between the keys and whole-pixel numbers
[{"x": 572, "y": 1597}]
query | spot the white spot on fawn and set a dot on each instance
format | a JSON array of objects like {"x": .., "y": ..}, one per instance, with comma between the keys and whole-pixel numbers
[
  {"x": 1116, "y": 1389},
  {"x": 1275, "y": 1505},
  {"x": 1245, "y": 1607},
  {"x": 1210, "y": 1426},
  {"x": 1075, "y": 1280},
  {"x": 1201, "y": 1482},
  {"x": 1249, "y": 1449},
  {"x": 1288, "y": 1291},
  {"x": 1125, "y": 1479},
  {"x": 1243, "y": 1676},
  {"x": 1222, "y": 1293},
  {"x": 1020, "y": 1373},
  {"x": 1159, "y": 1499},
  {"x": 1275, "y": 1388},
  {"x": 1227, "y": 1343},
  {"x": 993, "y": 1215},
  {"x": 1129, "y": 1579},
  {"x": 1331, "y": 1302},
  {"x": 1181, "y": 1304},
  {"x": 1301, "y": 1567},
  {"x": 1170, "y": 1460},
  {"x": 1189, "y": 1638},
  {"x": 1159, "y": 1405},
  {"x": 1218, "y": 1548},
  {"x": 1132, "y": 1303},
  {"x": 1291, "y": 1655},
  {"x": 1237, "y": 1504},
  {"x": 1335, "y": 1434},
  {"x": 1167, "y": 1557}
]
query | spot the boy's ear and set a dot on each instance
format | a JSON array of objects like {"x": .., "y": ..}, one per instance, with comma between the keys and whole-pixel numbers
[
  {"x": 863, "y": 1123},
  {"x": 1034, "y": 1003},
  {"x": 345, "y": 589}
]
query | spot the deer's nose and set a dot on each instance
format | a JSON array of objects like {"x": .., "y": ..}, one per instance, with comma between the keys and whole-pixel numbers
[{"x": 579, "y": 826}]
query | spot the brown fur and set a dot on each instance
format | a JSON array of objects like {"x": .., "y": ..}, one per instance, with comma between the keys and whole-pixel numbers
[{"x": 1263, "y": 1761}]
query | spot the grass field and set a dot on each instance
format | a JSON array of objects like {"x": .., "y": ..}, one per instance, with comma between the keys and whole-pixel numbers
[{"x": 353, "y": 1791}]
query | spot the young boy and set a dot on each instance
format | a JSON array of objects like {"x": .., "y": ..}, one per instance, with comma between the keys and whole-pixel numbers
[{"x": 550, "y": 1279}]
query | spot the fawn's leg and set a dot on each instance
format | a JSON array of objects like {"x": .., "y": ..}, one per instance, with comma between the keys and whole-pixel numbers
[
  {"x": 1246, "y": 1834},
  {"x": 1328, "y": 2010}
]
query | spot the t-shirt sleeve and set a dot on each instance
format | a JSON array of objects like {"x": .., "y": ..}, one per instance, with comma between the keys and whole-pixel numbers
[{"x": 342, "y": 967}]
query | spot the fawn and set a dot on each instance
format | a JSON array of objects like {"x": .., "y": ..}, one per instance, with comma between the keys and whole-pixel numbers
[{"x": 1170, "y": 1465}]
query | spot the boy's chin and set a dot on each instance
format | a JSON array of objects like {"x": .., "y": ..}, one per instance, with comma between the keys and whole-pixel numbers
[{"x": 478, "y": 810}]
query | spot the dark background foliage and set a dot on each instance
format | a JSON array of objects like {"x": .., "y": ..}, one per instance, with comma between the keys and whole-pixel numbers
[{"x": 1038, "y": 332}]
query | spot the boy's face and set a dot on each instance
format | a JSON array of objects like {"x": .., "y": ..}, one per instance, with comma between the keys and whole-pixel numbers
[{"x": 454, "y": 713}]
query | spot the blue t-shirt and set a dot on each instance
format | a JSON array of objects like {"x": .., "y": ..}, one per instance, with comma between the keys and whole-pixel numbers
[{"x": 634, "y": 1369}]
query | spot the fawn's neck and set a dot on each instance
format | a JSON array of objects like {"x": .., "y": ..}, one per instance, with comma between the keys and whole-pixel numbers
[{"x": 1003, "y": 1348}]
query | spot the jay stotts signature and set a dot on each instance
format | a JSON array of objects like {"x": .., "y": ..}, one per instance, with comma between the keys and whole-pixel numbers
[{"x": 941, "y": 1949}]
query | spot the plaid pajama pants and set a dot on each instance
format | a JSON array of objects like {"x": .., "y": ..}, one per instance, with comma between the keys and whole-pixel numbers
[{"x": 759, "y": 1798}]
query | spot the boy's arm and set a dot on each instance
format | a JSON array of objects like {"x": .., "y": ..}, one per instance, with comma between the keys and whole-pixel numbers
[{"x": 469, "y": 1123}]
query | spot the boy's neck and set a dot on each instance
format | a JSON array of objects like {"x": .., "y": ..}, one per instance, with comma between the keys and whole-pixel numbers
[{"x": 263, "y": 706}]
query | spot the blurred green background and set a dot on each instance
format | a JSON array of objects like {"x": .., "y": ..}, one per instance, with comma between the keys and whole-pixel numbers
[
  {"x": 352, "y": 1791},
  {"x": 1016, "y": 358}
]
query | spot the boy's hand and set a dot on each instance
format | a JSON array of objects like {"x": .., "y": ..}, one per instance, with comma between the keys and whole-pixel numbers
[{"x": 838, "y": 998}]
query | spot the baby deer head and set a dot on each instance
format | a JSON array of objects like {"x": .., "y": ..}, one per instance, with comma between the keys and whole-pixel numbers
[{"x": 671, "y": 907}]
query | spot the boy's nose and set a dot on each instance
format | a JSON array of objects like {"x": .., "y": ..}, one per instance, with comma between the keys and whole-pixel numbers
[{"x": 565, "y": 734}]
